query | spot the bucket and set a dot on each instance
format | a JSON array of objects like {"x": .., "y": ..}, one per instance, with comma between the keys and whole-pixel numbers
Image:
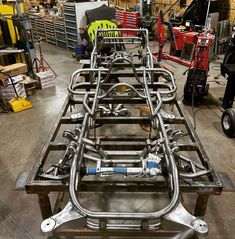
[{"x": 80, "y": 50}]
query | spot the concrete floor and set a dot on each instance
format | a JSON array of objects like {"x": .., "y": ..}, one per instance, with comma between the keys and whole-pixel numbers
[{"x": 23, "y": 134}]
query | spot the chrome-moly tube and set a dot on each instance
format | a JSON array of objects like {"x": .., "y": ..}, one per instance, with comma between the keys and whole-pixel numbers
[
  {"x": 154, "y": 112},
  {"x": 95, "y": 102},
  {"x": 122, "y": 59},
  {"x": 122, "y": 84},
  {"x": 194, "y": 175},
  {"x": 77, "y": 73},
  {"x": 95, "y": 49},
  {"x": 172, "y": 163},
  {"x": 96, "y": 226},
  {"x": 119, "y": 161},
  {"x": 171, "y": 89}
]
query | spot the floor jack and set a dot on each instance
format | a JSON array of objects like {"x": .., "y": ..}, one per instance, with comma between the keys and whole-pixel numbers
[{"x": 18, "y": 103}]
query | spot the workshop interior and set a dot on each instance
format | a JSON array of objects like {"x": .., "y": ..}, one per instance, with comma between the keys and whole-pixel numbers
[{"x": 117, "y": 119}]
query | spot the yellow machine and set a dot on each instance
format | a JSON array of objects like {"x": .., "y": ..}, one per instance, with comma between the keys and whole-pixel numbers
[
  {"x": 19, "y": 103},
  {"x": 8, "y": 10}
]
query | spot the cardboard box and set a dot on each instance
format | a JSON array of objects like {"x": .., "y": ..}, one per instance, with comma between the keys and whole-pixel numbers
[
  {"x": 44, "y": 75},
  {"x": 7, "y": 93},
  {"x": 8, "y": 96},
  {"x": 46, "y": 79},
  {"x": 13, "y": 70},
  {"x": 11, "y": 90},
  {"x": 15, "y": 80},
  {"x": 47, "y": 85}
]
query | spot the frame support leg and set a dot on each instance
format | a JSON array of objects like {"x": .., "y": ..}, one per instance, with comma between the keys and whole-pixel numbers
[
  {"x": 201, "y": 205},
  {"x": 45, "y": 205}
]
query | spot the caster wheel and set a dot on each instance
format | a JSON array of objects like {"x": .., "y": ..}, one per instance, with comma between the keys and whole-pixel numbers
[{"x": 228, "y": 122}]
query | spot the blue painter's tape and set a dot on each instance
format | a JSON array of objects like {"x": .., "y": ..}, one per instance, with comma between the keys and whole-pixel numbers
[
  {"x": 152, "y": 164},
  {"x": 121, "y": 170},
  {"x": 91, "y": 171}
]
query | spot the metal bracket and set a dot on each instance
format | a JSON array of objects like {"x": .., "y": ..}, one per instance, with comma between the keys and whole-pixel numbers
[
  {"x": 66, "y": 215},
  {"x": 119, "y": 110},
  {"x": 77, "y": 117},
  {"x": 180, "y": 215},
  {"x": 166, "y": 116}
]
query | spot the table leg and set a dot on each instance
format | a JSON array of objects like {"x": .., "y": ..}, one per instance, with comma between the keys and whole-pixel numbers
[
  {"x": 45, "y": 205},
  {"x": 201, "y": 205}
]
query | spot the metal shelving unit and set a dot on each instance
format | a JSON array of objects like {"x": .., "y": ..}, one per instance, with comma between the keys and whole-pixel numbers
[
  {"x": 40, "y": 28},
  {"x": 70, "y": 26},
  {"x": 34, "y": 30},
  {"x": 60, "y": 35},
  {"x": 50, "y": 32},
  {"x": 63, "y": 34}
]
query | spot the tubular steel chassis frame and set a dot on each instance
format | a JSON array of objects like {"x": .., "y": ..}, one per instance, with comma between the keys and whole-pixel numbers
[{"x": 42, "y": 187}]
